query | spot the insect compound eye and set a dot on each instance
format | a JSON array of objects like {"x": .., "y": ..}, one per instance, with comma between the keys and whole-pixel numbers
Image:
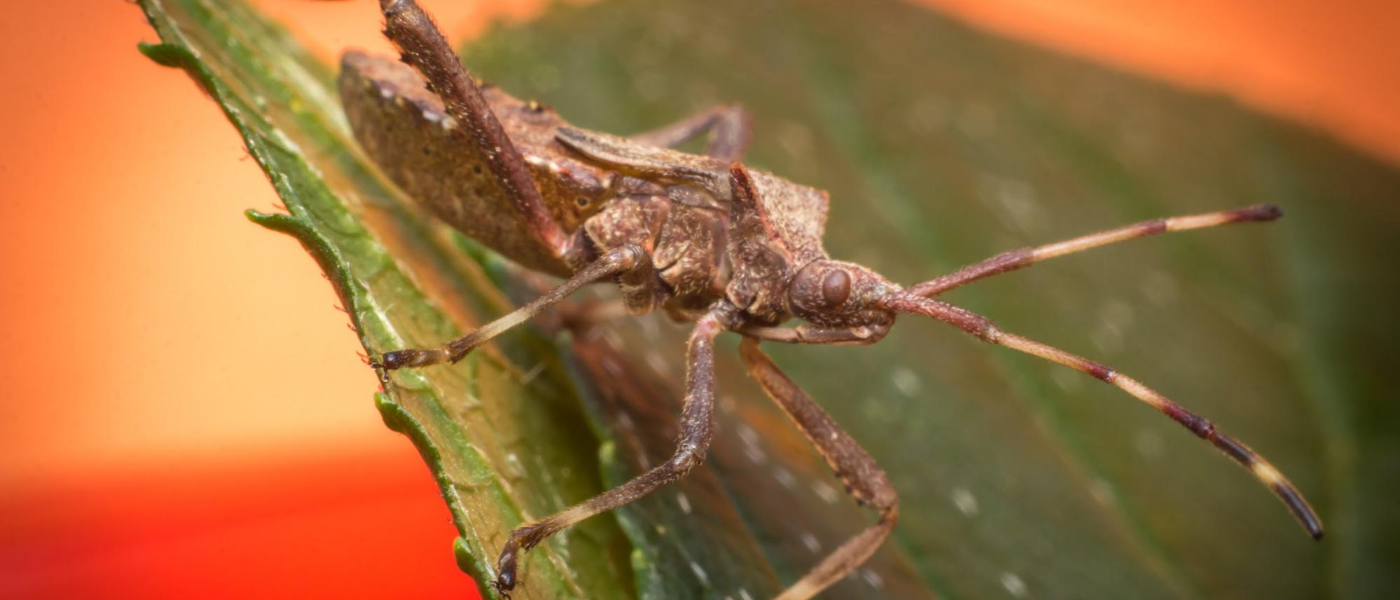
[{"x": 836, "y": 287}]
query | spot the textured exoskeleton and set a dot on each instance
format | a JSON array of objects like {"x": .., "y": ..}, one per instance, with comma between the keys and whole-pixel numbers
[{"x": 701, "y": 236}]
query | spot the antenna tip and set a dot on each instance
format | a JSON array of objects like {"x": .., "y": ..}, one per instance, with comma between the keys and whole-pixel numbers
[
  {"x": 1261, "y": 212},
  {"x": 1306, "y": 516}
]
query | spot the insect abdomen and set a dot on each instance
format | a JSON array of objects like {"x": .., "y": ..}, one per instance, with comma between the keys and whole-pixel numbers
[{"x": 404, "y": 129}]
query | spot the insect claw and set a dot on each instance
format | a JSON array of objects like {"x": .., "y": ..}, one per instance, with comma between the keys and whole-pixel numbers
[
  {"x": 502, "y": 589},
  {"x": 379, "y": 371}
]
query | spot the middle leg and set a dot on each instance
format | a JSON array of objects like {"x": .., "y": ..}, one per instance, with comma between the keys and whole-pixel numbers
[
  {"x": 696, "y": 427},
  {"x": 864, "y": 479}
]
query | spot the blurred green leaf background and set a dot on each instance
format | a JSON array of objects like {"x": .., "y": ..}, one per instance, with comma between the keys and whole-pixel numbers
[{"x": 940, "y": 145}]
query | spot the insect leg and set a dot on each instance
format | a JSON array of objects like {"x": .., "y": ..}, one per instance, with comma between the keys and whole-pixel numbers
[
  {"x": 618, "y": 261},
  {"x": 984, "y": 329},
  {"x": 649, "y": 161},
  {"x": 863, "y": 335},
  {"x": 423, "y": 48},
  {"x": 730, "y": 129},
  {"x": 1012, "y": 260},
  {"x": 864, "y": 479},
  {"x": 581, "y": 316},
  {"x": 696, "y": 428}
]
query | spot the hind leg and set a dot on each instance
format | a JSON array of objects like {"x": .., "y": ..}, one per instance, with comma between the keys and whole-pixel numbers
[{"x": 423, "y": 47}]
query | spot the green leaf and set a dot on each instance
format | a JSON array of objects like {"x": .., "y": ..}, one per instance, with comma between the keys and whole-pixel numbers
[
  {"x": 492, "y": 427},
  {"x": 940, "y": 146}
]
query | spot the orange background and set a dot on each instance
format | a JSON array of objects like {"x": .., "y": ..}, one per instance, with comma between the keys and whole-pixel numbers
[{"x": 180, "y": 397}]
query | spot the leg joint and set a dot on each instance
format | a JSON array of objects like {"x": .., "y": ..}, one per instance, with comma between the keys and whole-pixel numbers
[
  {"x": 627, "y": 256},
  {"x": 687, "y": 457},
  {"x": 890, "y": 514},
  {"x": 871, "y": 487},
  {"x": 390, "y": 7}
]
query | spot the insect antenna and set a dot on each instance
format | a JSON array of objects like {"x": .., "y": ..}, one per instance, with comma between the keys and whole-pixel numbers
[
  {"x": 984, "y": 329},
  {"x": 1021, "y": 258}
]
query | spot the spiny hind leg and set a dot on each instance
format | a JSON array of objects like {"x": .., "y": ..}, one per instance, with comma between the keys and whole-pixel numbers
[
  {"x": 696, "y": 428},
  {"x": 424, "y": 48},
  {"x": 864, "y": 479},
  {"x": 730, "y": 129}
]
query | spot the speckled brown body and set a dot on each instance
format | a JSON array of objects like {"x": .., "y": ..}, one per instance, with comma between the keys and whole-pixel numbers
[
  {"x": 701, "y": 235},
  {"x": 406, "y": 131}
]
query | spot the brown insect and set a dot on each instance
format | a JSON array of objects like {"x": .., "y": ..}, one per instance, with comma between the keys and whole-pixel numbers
[{"x": 703, "y": 237}]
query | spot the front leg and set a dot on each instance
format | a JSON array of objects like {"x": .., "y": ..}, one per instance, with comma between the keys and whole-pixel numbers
[
  {"x": 864, "y": 479},
  {"x": 696, "y": 428}
]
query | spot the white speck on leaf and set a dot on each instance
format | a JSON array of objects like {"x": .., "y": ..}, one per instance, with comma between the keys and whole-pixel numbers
[
  {"x": 699, "y": 572},
  {"x": 907, "y": 382},
  {"x": 785, "y": 477},
  {"x": 965, "y": 501},
  {"x": 1013, "y": 583},
  {"x": 826, "y": 492},
  {"x": 872, "y": 578}
]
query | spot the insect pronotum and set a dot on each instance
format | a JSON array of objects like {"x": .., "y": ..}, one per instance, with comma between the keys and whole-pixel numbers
[{"x": 701, "y": 236}]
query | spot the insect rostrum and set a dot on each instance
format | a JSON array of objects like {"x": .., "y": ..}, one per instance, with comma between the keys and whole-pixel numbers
[{"x": 703, "y": 237}]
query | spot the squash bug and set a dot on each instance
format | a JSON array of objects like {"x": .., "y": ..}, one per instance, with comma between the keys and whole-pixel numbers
[{"x": 703, "y": 237}]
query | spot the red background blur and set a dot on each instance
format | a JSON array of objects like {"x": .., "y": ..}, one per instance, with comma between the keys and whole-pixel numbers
[{"x": 179, "y": 396}]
